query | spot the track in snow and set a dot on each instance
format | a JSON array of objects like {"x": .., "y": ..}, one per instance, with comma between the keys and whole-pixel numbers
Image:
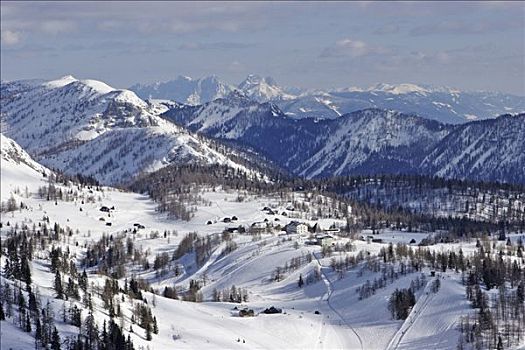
[
  {"x": 330, "y": 289},
  {"x": 417, "y": 310}
]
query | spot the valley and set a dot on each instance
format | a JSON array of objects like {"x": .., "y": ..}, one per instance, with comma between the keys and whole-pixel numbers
[{"x": 155, "y": 225}]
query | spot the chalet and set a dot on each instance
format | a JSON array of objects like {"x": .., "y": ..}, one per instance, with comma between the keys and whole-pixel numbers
[
  {"x": 273, "y": 310},
  {"x": 258, "y": 227},
  {"x": 295, "y": 227},
  {"x": 268, "y": 211},
  {"x": 324, "y": 240},
  {"x": 246, "y": 312}
]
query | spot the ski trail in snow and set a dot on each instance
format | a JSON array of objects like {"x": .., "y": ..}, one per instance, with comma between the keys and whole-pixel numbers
[
  {"x": 417, "y": 310},
  {"x": 328, "y": 294}
]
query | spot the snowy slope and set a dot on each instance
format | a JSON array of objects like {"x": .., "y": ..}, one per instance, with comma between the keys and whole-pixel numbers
[
  {"x": 423, "y": 329},
  {"x": 342, "y": 322},
  {"x": 373, "y": 139},
  {"x": 486, "y": 150},
  {"x": 18, "y": 169},
  {"x": 89, "y": 127}
]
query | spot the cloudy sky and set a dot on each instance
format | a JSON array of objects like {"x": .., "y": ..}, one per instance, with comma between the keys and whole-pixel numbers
[{"x": 469, "y": 45}]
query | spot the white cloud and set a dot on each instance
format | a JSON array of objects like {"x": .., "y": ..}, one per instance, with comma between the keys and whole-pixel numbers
[
  {"x": 10, "y": 37},
  {"x": 352, "y": 48},
  {"x": 236, "y": 66},
  {"x": 57, "y": 26}
]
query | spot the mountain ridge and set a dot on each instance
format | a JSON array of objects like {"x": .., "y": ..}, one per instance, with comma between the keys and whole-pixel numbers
[
  {"x": 445, "y": 104},
  {"x": 85, "y": 126},
  {"x": 364, "y": 142}
]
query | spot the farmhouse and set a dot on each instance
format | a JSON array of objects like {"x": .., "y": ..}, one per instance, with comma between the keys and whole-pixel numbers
[{"x": 295, "y": 227}]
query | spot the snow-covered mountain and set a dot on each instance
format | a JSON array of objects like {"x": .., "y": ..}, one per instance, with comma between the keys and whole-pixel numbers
[
  {"x": 96, "y": 267},
  {"x": 263, "y": 89},
  {"x": 185, "y": 90},
  {"x": 439, "y": 103},
  {"x": 356, "y": 142},
  {"x": 88, "y": 127},
  {"x": 373, "y": 140},
  {"x": 485, "y": 150},
  {"x": 444, "y": 104},
  {"x": 370, "y": 141}
]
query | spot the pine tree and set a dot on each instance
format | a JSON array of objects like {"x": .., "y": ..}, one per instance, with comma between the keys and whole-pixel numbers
[
  {"x": 301, "y": 282},
  {"x": 104, "y": 335},
  {"x": 27, "y": 327},
  {"x": 500, "y": 343},
  {"x": 90, "y": 331},
  {"x": 55, "y": 340},
  {"x": 38, "y": 330},
  {"x": 25, "y": 271},
  {"x": 58, "y": 286},
  {"x": 155, "y": 326},
  {"x": 148, "y": 331},
  {"x": 83, "y": 281}
]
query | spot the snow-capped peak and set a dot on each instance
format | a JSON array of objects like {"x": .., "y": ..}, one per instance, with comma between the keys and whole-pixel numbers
[
  {"x": 95, "y": 85},
  {"x": 185, "y": 89},
  {"x": 251, "y": 79},
  {"x": 263, "y": 89},
  {"x": 399, "y": 89},
  {"x": 98, "y": 86},
  {"x": 60, "y": 82},
  {"x": 127, "y": 96}
]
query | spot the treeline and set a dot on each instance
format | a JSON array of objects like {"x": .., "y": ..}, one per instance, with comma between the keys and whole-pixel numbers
[{"x": 342, "y": 184}]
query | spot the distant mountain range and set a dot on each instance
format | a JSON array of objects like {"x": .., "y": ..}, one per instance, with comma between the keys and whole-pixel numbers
[
  {"x": 439, "y": 103},
  {"x": 88, "y": 127},
  {"x": 369, "y": 141}
]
